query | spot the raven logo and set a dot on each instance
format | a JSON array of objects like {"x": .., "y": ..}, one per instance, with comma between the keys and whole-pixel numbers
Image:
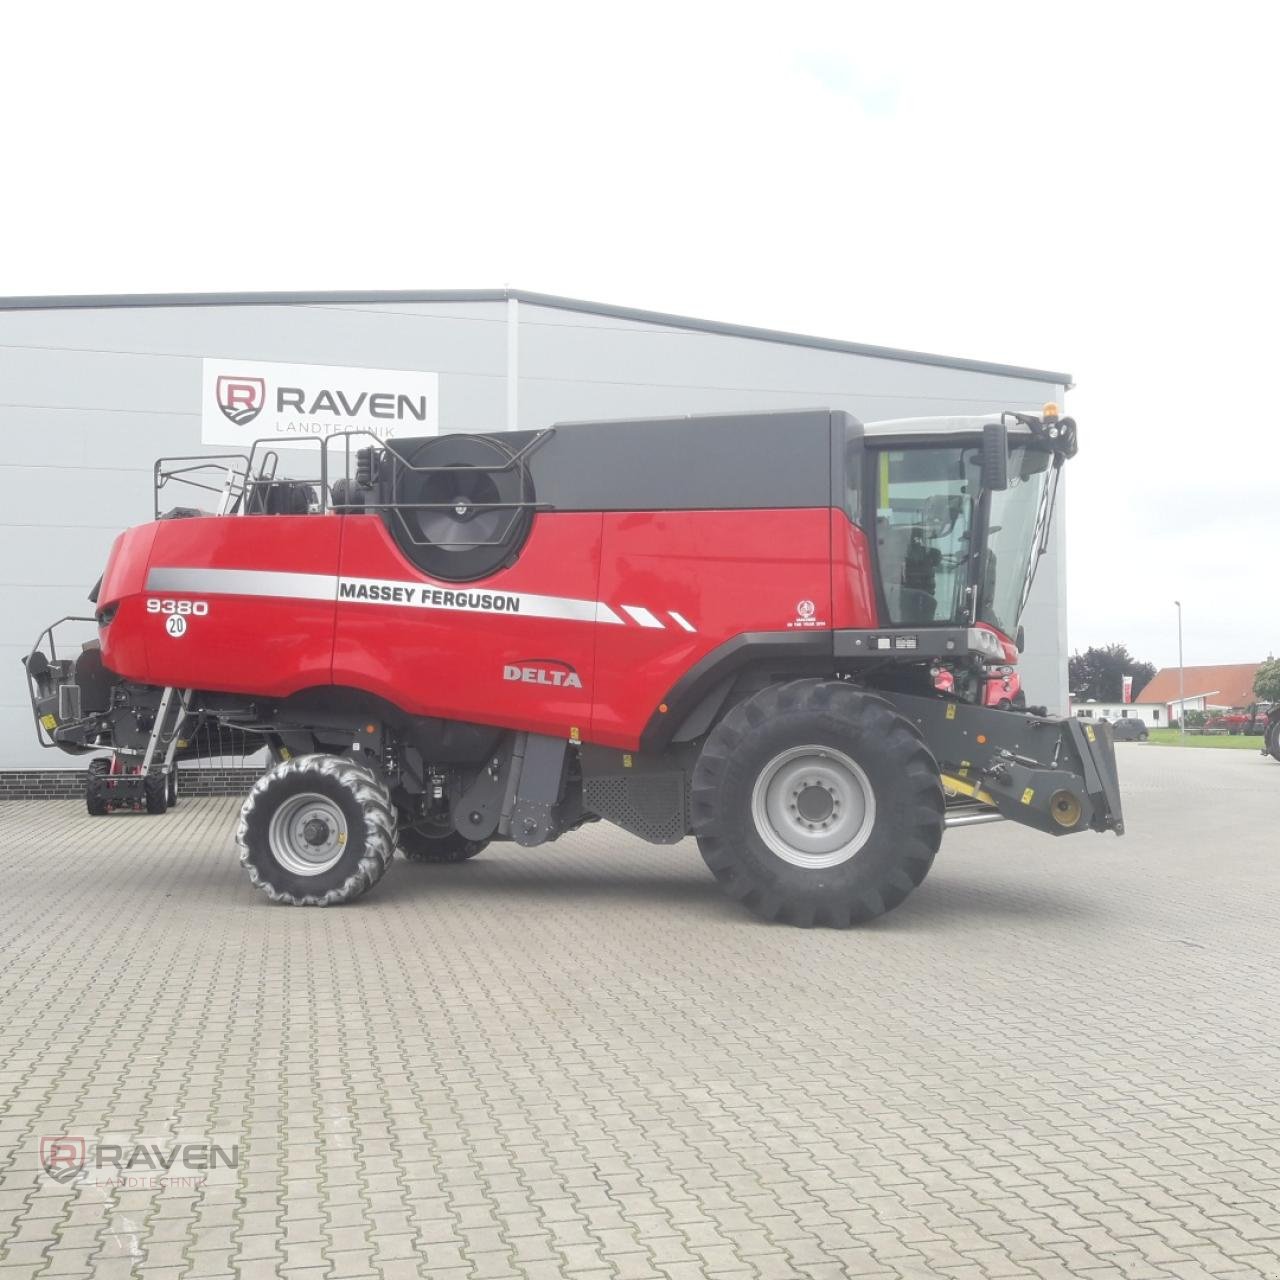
[
  {"x": 63, "y": 1158},
  {"x": 241, "y": 399}
]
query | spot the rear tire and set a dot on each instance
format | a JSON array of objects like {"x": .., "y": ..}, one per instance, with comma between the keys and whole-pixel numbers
[
  {"x": 155, "y": 792},
  {"x": 1273, "y": 740},
  {"x": 816, "y": 803},
  {"x": 450, "y": 846},
  {"x": 95, "y": 800},
  {"x": 317, "y": 830},
  {"x": 171, "y": 788}
]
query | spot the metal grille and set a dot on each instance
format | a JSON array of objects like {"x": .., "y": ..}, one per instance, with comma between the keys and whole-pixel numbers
[{"x": 653, "y": 806}]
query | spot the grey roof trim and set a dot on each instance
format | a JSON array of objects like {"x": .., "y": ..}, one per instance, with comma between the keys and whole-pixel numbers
[{"x": 385, "y": 296}]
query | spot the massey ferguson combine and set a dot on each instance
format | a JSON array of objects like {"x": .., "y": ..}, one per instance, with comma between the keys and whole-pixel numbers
[{"x": 787, "y": 634}]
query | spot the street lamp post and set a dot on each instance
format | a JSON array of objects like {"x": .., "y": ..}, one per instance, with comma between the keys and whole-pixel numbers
[{"x": 1182, "y": 688}]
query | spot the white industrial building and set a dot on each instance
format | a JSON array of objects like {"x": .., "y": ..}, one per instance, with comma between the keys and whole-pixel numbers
[
  {"x": 94, "y": 389},
  {"x": 1154, "y": 714}
]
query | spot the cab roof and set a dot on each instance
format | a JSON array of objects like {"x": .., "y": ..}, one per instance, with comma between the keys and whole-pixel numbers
[{"x": 956, "y": 424}]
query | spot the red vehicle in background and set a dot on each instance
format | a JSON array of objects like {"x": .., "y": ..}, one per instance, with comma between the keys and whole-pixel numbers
[{"x": 1237, "y": 722}]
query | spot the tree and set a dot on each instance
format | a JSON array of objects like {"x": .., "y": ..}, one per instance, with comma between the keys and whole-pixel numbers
[
  {"x": 1099, "y": 672},
  {"x": 1266, "y": 684}
]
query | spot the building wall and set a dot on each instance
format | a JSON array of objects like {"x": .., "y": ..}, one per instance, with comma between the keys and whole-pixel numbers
[{"x": 90, "y": 397}]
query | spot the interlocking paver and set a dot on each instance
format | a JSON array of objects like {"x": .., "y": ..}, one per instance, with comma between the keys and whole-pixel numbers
[{"x": 1057, "y": 1060}]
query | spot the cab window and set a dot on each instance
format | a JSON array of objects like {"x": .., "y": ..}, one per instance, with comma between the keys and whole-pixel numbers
[{"x": 926, "y": 506}]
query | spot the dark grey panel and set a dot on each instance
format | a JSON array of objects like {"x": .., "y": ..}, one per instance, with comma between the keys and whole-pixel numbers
[
  {"x": 718, "y": 462},
  {"x": 83, "y": 301}
]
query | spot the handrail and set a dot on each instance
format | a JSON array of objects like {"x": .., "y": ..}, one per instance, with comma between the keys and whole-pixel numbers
[
  {"x": 32, "y": 689},
  {"x": 243, "y": 471}
]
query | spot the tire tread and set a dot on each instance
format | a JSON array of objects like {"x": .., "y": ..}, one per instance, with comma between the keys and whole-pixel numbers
[
  {"x": 379, "y": 827},
  {"x": 838, "y": 704}
]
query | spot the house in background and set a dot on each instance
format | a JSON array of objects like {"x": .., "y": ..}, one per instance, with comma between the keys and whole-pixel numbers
[
  {"x": 1206, "y": 688},
  {"x": 1154, "y": 714}
]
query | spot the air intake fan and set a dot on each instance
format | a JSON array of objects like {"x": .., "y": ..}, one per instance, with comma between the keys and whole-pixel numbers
[{"x": 461, "y": 505}]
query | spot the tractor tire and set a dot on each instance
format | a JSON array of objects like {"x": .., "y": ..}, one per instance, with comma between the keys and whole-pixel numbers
[
  {"x": 155, "y": 793},
  {"x": 816, "y": 803},
  {"x": 451, "y": 846},
  {"x": 171, "y": 788},
  {"x": 95, "y": 801},
  {"x": 317, "y": 830},
  {"x": 1273, "y": 740}
]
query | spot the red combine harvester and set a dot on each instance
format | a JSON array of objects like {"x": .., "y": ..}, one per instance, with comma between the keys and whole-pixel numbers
[{"x": 788, "y": 634}]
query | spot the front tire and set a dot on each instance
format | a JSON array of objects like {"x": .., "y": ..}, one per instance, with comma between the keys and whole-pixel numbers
[
  {"x": 1273, "y": 740},
  {"x": 439, "y": 847},
  {"x": 317, "y": 830},
  {"x": 816, "y": 803}
]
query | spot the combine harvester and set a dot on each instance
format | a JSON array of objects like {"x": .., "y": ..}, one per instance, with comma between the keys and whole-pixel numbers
[{"x": 787, "y": 634}]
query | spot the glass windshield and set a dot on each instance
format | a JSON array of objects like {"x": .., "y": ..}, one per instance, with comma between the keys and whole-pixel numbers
[
  {"x": 925, "y": 511},
  {"x": 1012, "y": 538}
]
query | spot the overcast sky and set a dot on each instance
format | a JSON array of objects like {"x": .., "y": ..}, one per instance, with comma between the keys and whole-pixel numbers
[{"x": 1070, "y": 187}]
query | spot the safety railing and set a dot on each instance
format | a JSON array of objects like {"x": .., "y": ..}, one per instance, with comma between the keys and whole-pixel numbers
[{"x": 237, "y": 477}]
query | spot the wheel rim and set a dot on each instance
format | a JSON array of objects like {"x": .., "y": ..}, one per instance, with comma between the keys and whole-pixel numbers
[
  {"x": 308, "y": 834},
  {"x": 813, "y": 806}
]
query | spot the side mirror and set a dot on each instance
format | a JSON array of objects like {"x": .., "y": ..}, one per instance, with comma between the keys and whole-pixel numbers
[{"x": 995, "y": 456}]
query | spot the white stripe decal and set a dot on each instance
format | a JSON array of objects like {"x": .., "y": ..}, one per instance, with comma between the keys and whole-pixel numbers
[
  {"x": 384, "y": 591},
  {"x": 642, "y": 616},
  {"x": 681, "y": 620}
]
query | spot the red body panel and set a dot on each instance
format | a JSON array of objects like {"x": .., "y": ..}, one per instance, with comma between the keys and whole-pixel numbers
[
  {"x": 624, "y": 602},
  {"x": 724, "y": 572},
  {"x": 127, "y": 563},
  {"x": 124, "y": 647},
  {"x": 264, "y": 644},
  {"x": 443, "y": 663},
  {"x": 853, "y": 594}
]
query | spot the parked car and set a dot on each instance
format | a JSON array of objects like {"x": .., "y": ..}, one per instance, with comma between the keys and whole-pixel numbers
[{"x": 1129, "y": 730}]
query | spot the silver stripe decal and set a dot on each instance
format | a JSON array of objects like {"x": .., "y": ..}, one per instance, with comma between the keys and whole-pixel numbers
[
  {"x": 245, "y": 582},
  {"x": 385, "y": 591},
  {"x": 642, "y": 616},
  {"x": 467, "y": 599},
  {"x": 681, "y": 620}
]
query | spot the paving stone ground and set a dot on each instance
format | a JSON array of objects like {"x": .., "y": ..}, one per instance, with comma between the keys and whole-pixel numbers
[{"x": 1059, "y": 1058}]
